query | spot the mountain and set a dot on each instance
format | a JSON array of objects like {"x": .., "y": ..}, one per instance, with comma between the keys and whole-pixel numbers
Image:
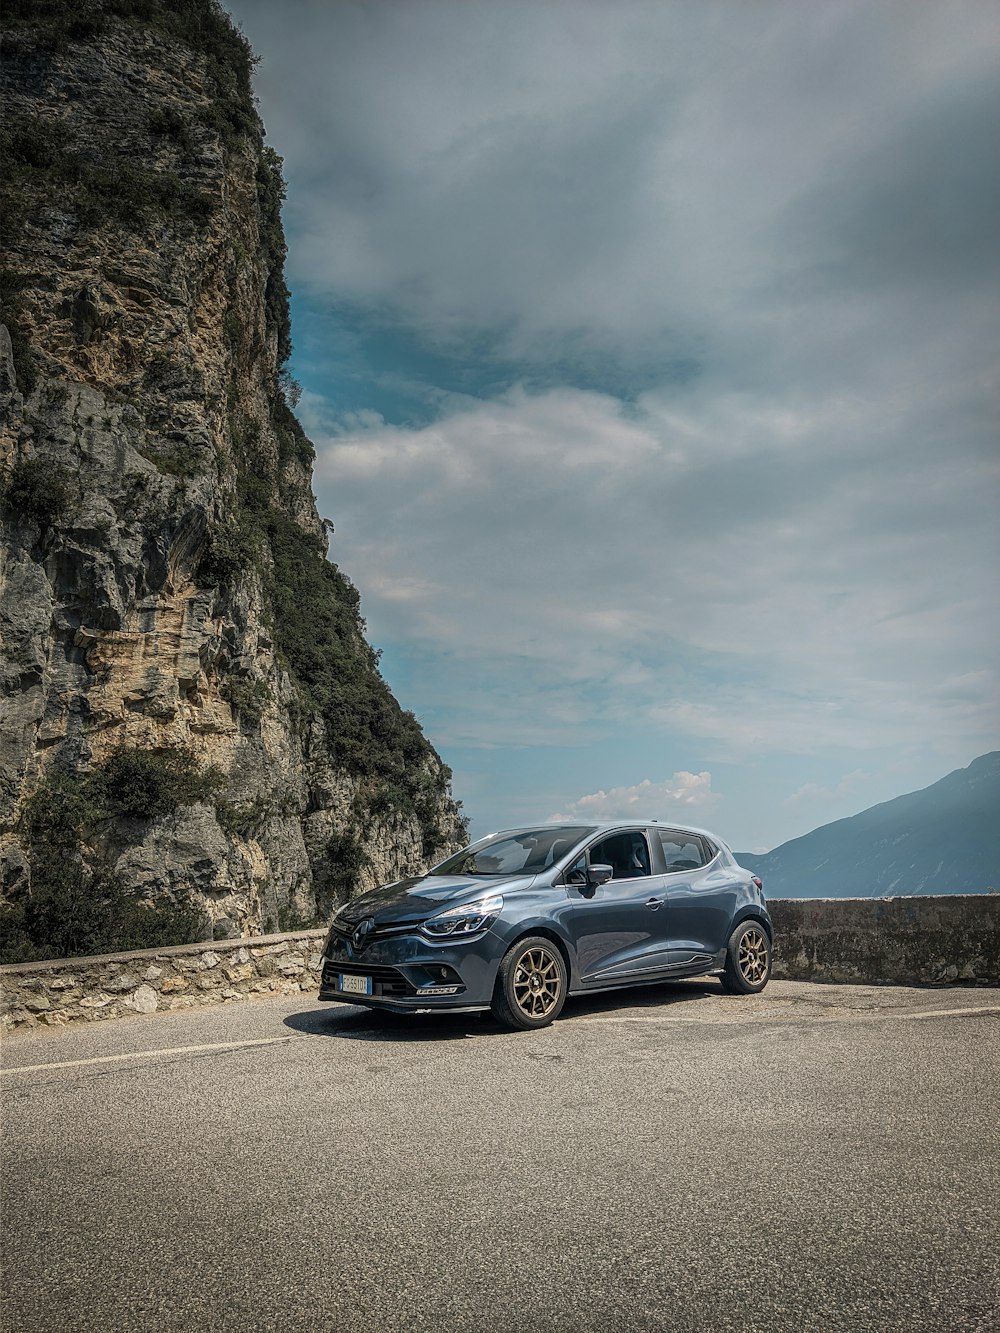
[
  {"x": 195, "y": 737},
  {"x": 943, "y": 839}
]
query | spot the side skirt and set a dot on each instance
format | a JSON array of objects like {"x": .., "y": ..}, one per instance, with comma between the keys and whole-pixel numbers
[{"x": 707, "y": 967}]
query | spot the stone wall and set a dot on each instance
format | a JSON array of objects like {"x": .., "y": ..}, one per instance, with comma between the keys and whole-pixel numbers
[
  {"x": 147, "y": 982},
  {"x": 901, "y": 941},
  {"x": 926, "y": 941}
]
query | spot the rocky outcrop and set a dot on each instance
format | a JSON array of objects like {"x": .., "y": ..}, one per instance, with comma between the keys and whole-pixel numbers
[{"x": 163, "y": 582}]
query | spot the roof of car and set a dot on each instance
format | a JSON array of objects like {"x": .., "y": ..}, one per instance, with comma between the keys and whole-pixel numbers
[{"x": 606, "y": 825}]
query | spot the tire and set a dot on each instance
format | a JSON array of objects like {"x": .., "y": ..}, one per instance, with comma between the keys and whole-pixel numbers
[
  {"x": 748, "y": 960},
  {"x": 530, "y": 989}
]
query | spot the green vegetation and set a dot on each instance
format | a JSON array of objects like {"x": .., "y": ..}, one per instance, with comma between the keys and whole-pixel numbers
[
  {"x": 143, "y": 784},
  {"x": 38, "y": 490},
  {"x": 270, "y": 196},
  {"x": 335, "y": 874},
  {"x": 44, "y": 166},
  {"x": 166, "y": 122},
  {"x": 230, "y": 550},
  {"x": 291, "y": 918},
  {"x": 68, "y": 917},
  {"x": 177, "y": 458},
  {"x": 249, "y": 698},
  {"x": 52, "y": 27},
  {"x": 76, "y": 905}
]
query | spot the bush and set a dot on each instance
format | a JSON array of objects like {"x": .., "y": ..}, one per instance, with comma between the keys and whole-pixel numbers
[
  {"x": 142, "y": 784},
  {"x": 166, "y": 122},
  {"x": 67, "y": 918},
  {"x": 335, "y": 876},
  {"x": 38, "y": 490},
  {"x": 249, "y": 698},
  {"x": 230, "y": 551},
  {"x": 76, "y": 905}
]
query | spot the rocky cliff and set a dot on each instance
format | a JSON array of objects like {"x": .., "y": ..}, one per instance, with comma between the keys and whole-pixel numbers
[{"x": 195, "y": 736}]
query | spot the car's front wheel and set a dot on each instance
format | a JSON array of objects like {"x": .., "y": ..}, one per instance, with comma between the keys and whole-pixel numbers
[
  {"x": 748, "y": 960},
  {"x": 530, "y": 988}
]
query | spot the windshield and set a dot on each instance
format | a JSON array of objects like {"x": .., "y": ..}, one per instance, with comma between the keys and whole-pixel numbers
[{"x": 525, "y": 851}]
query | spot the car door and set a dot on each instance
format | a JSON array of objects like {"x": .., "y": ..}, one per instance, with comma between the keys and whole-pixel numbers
[
  {"x": 616, "y": 928},
  {"x": 700, "y": 896}
]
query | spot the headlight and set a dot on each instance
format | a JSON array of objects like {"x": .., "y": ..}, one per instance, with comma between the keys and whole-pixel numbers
[{"x": 469, "y": 919}]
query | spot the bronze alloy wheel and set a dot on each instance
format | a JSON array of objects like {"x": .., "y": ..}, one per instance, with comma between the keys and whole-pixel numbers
[
  {"x": 748, "y": 959},
  {"x": 753, "y": 957},
  {"x": 537, "y": 982},
  {"x": 531, "y": 984}
]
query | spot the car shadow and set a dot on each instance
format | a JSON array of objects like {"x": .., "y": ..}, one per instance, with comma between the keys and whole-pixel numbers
[{"x": 354, "y": 1023}]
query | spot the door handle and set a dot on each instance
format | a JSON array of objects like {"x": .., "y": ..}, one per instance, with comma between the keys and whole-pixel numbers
[{"x": 653, "y": 903}]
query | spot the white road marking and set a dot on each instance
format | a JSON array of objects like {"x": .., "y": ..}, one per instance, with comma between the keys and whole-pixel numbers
[
  {"x": 950, "y": 1013},
  {"x": 613, "y": 1018},
  {"x": 800, "y": 1018},
  {"x": 138, "y": 1055}
]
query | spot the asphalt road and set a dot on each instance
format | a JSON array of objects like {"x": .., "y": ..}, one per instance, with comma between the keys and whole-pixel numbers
[{"x": 815, "y": 1158}]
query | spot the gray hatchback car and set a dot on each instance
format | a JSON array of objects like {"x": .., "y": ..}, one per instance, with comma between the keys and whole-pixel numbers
[{"x": 521, "y": 919}]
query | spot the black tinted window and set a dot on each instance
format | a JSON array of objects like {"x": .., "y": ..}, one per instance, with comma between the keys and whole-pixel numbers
[{"x": 626, "y": 854}]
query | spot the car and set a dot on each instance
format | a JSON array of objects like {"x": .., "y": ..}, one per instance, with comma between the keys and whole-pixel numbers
[{"x": 523, "y": 918}]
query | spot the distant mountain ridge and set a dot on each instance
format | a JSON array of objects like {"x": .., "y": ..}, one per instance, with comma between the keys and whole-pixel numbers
[{"x": 942, "y": 839}]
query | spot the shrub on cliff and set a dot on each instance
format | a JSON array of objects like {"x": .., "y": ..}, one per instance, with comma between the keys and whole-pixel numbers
[
  {"x": 142, "y": 784},
  {"x": 76, "y": 904},
  {"x": 67, "y": 918},
  {"x": 37, "y": 490}
]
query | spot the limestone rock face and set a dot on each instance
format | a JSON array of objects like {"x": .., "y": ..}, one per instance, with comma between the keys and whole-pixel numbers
[{"x": 163, "y": 583}]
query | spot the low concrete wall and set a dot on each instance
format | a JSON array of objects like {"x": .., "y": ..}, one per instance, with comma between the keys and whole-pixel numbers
[
  {"x": 901, "y": 941},
  {"x": 115, "y": 985},
  {"x": 930, "y": 941}
]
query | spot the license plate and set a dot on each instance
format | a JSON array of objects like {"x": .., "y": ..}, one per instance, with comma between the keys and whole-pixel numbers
[{"x": 355, "y": 985}]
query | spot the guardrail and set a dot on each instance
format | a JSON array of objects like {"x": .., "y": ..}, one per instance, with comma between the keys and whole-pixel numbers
[{"x": 930, "y": 941}]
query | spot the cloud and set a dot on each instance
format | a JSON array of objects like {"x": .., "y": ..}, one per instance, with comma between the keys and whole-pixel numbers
[
  {"x": 687, "y": 180},
  {"x": 683, "y": 794},
  {"x": 678, "y": 324},
  {"x": 726, "y": 567}
]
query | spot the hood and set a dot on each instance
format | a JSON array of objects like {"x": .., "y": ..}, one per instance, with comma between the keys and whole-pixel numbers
[{"x": 420, "y": 897}]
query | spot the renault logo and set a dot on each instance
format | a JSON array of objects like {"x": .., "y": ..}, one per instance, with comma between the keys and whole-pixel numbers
[{"x": 362, "y": 931}]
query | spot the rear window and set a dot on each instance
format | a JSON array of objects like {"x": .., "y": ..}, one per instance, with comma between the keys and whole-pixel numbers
[{"x": 684, "y": 851}]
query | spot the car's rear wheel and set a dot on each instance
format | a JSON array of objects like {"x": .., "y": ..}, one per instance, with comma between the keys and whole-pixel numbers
[
  {"x": 748, "y": 960},
  {"x": 530, "y": 988}
]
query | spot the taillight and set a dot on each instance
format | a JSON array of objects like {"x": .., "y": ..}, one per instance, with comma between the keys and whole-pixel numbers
[{"x": 759, "y": 883}]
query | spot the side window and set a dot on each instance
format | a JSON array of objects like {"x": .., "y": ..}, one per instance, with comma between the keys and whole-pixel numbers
[
  {"x": 681, "y": 851},
  {"x": 626, "y": 853}
]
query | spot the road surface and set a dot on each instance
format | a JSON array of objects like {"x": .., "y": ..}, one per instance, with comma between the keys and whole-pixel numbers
[{"x": 815, "y": 1158}]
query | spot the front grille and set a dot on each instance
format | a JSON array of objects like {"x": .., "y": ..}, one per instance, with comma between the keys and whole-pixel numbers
[
  {"x": 387, "y": 981},
  {"x": 344, "y": 932}
]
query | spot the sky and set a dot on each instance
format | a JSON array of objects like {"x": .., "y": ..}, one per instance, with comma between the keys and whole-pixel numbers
[{"x": 650, "y": 352}]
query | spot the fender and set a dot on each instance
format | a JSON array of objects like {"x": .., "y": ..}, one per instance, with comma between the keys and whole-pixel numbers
[{"x": 752, "y": 912}]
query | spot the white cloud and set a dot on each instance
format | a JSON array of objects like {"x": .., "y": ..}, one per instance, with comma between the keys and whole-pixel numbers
[
  {"x": 683, "y": 795},
  {"x": 708, "y": 570}
]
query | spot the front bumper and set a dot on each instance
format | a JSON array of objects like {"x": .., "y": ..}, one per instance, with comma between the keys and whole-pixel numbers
[{"x": 408, "y": 973}]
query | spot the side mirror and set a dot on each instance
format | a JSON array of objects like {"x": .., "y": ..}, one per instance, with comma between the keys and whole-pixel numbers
[{"x": 599, "y": 874}]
